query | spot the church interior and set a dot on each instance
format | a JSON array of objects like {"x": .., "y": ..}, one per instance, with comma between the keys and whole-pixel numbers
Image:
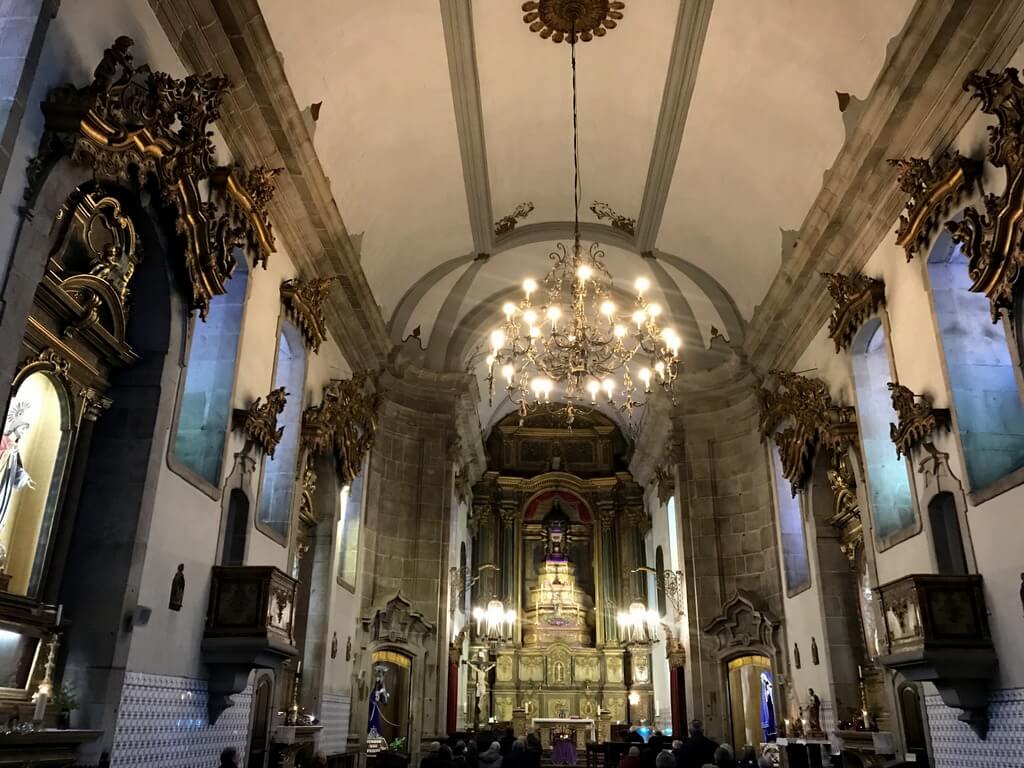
[{"x": 693, "y": 414}]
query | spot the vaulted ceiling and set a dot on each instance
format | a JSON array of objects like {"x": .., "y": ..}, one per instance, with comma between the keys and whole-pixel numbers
[{"x": 709, "y": 122}]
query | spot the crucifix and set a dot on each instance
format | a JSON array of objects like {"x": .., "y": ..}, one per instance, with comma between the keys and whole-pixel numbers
[{"x": 481, "y": 669}]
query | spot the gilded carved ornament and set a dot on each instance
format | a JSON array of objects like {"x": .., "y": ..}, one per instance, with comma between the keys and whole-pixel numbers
[
  {"x": 855, "y": 298},
  {"x": 934, "y": 188},
  {"x": 506, "y": 224},
  {"x": 622, "y": 223},
  {"x": 917, "y": 418},
  {"x": 799, "y": 415},
  {"x": 675, "y": 651},
  {"x": 132, "y": 123},
  {"x": 304, "y": 300},
  {"x": 259, "y": 421},
  {"x": 559, "y": 20},
  {"x": 992, "y": 241},
  {"x": 845, "y": 511},
  {"x": 345, "y": 422}
]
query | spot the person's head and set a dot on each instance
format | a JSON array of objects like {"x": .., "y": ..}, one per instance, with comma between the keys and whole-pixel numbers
[
  {"x": 764, "y": 762},
  {"x": 677, "y": 744},
  {"x": 728, "y": 749},
  {"x": 229, "y": 757},
  {"x": 658, "y": 733},
  {"x": 496, "y": 746},
  {"x": 634, "y": 751},
  {"x": 519, "y": 745},
  {"x": 696, "y": 727},
  {"x": 723, "y": 756},
  {"x": 471, "y": 746},
  {"x": 749, "y": 753},
  {"x": 665, "y": 759},
  {"x": 444, "y": 752},
  {"x": 460, "y": 747},
  {"x": 810, "y": 691},
  {"x": 433, "y": 747}
]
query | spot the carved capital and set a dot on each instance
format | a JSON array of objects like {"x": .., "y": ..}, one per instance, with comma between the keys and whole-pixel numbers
[
  {"x": 94, "y": 403},
  {"x": 259, "y": 421},
  {"x": 933, "y": 189},
  {"x": 855, "y": 298},
  {"x": 917, "y": 418}
]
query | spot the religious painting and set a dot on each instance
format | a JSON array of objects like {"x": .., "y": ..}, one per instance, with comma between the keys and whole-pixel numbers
[
  {"x": 641, "y": 668},
  {"x": 613, "y": 666},
  {"x": 503, "y": 708},
  {"x": 531, "y": 669},
  {"x": 504, "y": 670},
  {"x": 33, "y": 455},
  {"x": 389, "y": 698},
  {"x": 587, "y": 669}
]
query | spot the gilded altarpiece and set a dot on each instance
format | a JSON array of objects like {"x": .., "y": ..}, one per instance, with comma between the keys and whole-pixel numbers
[{"x": 563, "y": 525}]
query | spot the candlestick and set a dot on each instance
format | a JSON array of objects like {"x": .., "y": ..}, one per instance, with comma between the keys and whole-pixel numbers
[{"x": 40, "y": 710}]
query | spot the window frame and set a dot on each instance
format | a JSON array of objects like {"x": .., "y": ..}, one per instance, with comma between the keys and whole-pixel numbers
[
  {"x": 770, "y": 449},
  {"x": 339, "y": 548},
  {"x": 186, "y": 473},
  {"x": 284, "y": 539}
]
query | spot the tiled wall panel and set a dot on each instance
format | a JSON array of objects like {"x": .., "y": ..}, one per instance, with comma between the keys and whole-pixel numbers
[
  {"x": 163, "y": 723},
  {"x": 954, "y": 744},
  {"x": 334, "y": 716}
]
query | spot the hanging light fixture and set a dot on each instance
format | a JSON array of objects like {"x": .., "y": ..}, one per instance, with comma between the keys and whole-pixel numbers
[
  {"x": 638, "y": 624},
  {"x": 494, "y": 623},
  {"x": 566, "y": 339}
]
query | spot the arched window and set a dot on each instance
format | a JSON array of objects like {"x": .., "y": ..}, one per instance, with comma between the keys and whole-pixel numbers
[
  {"x": 986, "y": 400},
  {"x": 33, "y": 455},
  {"x": 236, "y": 529},
  {"x": 890, "y": 497},
  {"x": 204, "y": 404},
  {"x": 349, "y": 525},
  {"x": 659, "y": 567},
  {"x": 278, "y": 484},
  {"x": 949, "y": 545},
  {"x": 795, "y": 566},
  {"x": 673, "y": 534}
]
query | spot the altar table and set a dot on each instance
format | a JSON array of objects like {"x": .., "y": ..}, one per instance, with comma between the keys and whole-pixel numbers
[{"x": 580, "y": 730}]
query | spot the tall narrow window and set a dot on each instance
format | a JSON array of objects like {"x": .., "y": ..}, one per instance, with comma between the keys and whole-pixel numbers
[
  {"x": 279, "y": 470},
  {"x": 795, "y": 566},
  {"x": 986, "y": 399},
  {"x": 348, "y": 532},
  {"x": 236, "y": 528},
  {"x": 892, "y": 504},
  {"x": 949, "y": 544},
  {"x": 673, "y": 534},
  {"x": 659, "y": 568},
  {"x": 204, "y": 406}
]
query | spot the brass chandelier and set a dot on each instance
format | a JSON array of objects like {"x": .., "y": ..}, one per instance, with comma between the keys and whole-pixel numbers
[{"x": 567, "y": 339}]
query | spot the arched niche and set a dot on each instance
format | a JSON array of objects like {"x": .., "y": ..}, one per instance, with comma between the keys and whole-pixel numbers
[{"x": 942, "y": 492}]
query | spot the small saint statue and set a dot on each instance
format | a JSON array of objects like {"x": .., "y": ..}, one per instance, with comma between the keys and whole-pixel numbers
[
  {"x": 813, "y": 712},
  {"x": 814, "y": 652},
  {"x": 177, "y": 589},
  {"x": 796, "y": 655},
  {"x": 334, "y": 645}
]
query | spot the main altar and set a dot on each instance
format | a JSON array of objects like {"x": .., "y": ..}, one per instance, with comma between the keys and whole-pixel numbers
[{"x": 558, "y": 538}]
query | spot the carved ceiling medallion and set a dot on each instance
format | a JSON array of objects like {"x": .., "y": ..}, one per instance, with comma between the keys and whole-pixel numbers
[
  {"x": 917, "y": 419},
  {"x": 856, "y": 298},
  {"x": 934, "y": 188},
  {"x": 799, "y": 415},
  {"x": 304, "y": 300},
  {"x": 559, "y": 19},
  {"x": 992, "y": 241}
]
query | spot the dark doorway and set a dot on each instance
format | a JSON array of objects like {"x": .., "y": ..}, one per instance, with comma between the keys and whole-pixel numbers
[
  {"x": 258, "y": 739},
  {"x": 913, "y": 722},
  {"x": 235, "y": 529}
]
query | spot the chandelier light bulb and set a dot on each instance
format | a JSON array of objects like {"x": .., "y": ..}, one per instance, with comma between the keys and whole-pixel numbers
[
  {"x": 659, "y": 368},
  {"x": 490, "y": 360},
  {"x": 645, "y": 377},
  {"x": 607, "y": 309},
  {"x": 639, "y": 317},
  {"x": 530, "y": 317},
  {"x": 509, "y": 309},
  {"x": 609, "y": 386},
  {"x": 529, "y": 286},
  {"x": 508, "y": 372},
  {"x": 584, "y": 272},
  {"x": 593, "y": 387},
  {"x": 654, "y": 310},
  {"x": 641, "y": 285},
  {"x": 620, "y": 331},
  {"x": 554, "y": 313},
  {"x": 534, "y": 332},
  {"x": 497, "y": 339}
]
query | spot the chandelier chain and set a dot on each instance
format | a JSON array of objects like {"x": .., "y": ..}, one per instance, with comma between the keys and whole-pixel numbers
[{"x": 577, "y": 184}]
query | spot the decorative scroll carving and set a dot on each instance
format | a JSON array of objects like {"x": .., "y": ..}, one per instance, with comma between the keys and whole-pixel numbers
[
  {"x": 675, "y": 651},
  {"x": 805, "y": 407},
  {"x": 742, "y": 626},
  {"x": 845, "y": 510},
  {"x": 304, "y": 300},
  {"x": 934, "y": 188},
  {"x": 506, "y": 224},
  {"x": 917, "y": 418},
  {"x": 346, "y": 421},
  {"x": 396, "y": 622},
  {"x": 856, "y": 297},
  {"x": 559, "y": 19},
  {"x": 259, "y": 422},
  {"x": 133, "y": 123},
  {"x": 992, "y": 242},
  {"x": 617, "y": 220}
]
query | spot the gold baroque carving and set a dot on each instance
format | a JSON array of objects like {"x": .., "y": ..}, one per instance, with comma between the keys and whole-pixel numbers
[
  {"x": 855, "y": 297},
  {"x": 560, "y": 19},
  {"x": 845, "y": 511},
  {"x": 346, "y": 421},
  {"x": 247, "y": 196},
  {"x": 304, "y": 300},
  {"x": 506, "y": 224},
  {"x": 617, "y": 220},
  {"x": 259, "y": 421},
  {"x": 934, "y": 188},
  {"x": 917, "y": 418},
  {"x": 134, "y": 122},
  {"x": 804, "y": 410},
  {"x": 992, "y": 242}
]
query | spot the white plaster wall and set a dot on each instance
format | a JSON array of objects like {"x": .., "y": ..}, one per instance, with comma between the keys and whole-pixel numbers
[{"x": 658, "y": 536}]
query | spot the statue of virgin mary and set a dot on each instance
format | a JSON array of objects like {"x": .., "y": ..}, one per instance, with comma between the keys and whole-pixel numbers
[{"x": 13, "y": 476}]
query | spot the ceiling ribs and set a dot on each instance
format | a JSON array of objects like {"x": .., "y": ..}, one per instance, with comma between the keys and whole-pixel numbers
[
  {"x": 457, "y": 21},
  {"x": 691, "y": 28}
]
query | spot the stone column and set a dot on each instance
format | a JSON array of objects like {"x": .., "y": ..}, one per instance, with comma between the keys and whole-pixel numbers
[
  {"x": 610, "y": 569},
  {"x": 676, "y": 681},
  {"x": 452, "y": 714}
]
